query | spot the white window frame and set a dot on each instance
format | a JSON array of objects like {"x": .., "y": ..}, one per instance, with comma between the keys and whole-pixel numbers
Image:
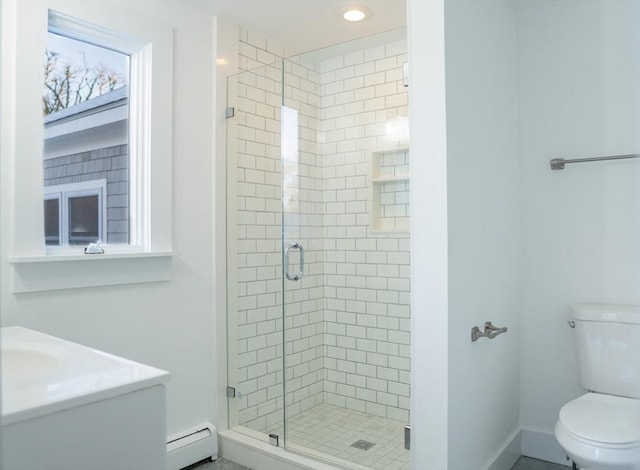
[
  {"x": 139, "y": 104},
  {"x": 58, "y": 197},
  {"x": 64, "y": 192},
  {"x": 23, "y": 30}
]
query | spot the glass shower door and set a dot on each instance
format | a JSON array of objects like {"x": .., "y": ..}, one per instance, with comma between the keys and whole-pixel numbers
[
  {"x": 302, "y": 239},
  {"x": 254, "y": 254},
  {"x": 318, "y": 254},
  {"x": 345, "y": 237}
]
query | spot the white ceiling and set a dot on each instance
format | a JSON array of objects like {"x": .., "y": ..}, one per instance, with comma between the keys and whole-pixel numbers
[{"x": 306, "y": 25}]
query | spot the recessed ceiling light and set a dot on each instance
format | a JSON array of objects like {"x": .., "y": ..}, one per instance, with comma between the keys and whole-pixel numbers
[{"x": 355, "y": 14}]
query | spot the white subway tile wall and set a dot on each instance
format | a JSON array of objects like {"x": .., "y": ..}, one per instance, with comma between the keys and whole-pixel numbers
[
  {"x": 367, "y": 314},
  {"x": 347, "y": 320}
]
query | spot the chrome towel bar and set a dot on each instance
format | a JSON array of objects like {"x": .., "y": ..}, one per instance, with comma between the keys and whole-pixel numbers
[{"x": 559, "y": 163}]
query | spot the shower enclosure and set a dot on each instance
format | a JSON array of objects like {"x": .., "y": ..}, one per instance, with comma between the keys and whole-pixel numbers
[{"x": 318, "y": 253}]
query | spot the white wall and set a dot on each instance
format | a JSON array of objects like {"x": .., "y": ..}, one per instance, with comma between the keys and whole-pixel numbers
[
  {"x": 578, "y": 70},
  {"x": 579, "y": 97},
  {"x": 465, "y": 396},
  {"x": 166, "y": 324},
  {"x": 429, "y": 265},
  {"x": 484, "y": 228}
]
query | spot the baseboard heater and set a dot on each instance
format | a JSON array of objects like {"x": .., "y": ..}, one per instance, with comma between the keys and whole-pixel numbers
[{"x": 191, "y": 446}]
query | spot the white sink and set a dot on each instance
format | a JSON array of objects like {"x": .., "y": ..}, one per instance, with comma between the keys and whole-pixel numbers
[
  {"x": 21, "y": 363},
  {"x": 43, "y": 374},
  {"x": 67, "y": 406}
]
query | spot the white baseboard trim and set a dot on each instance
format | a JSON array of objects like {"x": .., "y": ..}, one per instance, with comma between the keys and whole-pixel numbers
[
  {"x": 507, "y": 454},
  {"x": 542, "y": 445}
]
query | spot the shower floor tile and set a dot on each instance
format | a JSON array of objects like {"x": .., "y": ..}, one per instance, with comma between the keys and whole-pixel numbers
[{"x": 333, "y": 430}]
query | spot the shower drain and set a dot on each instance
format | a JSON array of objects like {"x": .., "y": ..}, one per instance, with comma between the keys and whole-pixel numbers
[{"x": 363, "y": 445}]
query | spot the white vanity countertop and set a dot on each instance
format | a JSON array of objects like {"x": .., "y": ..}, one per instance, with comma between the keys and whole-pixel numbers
[{"x": 42, "y": 374}]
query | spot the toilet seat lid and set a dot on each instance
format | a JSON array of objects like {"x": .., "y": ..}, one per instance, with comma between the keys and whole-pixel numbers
[{"x": 603, "y": 418}]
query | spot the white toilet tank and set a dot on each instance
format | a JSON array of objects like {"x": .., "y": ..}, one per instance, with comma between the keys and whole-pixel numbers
[{"x": 607, "y": 344}]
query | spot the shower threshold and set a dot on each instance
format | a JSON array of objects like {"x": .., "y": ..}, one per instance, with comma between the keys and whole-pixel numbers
[{"x": 336, "y": 437}]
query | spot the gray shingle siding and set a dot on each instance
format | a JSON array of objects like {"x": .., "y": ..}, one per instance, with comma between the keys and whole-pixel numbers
[{"x": 112, "y": 164}]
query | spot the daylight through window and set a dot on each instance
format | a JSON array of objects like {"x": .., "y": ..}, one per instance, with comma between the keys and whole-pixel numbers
[{"x": 85, "y": 104}]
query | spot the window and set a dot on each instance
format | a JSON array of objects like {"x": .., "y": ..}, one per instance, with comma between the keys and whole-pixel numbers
[
  {"x": 75, "y": 214},
  {"x": 52, "y": 220},
  {"x": 42, "y": 249},
  {"x": 85, "y": 104}
]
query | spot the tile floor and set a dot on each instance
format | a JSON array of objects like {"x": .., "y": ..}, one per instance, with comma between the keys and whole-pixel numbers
[
  {"x": 524, "y": 463},
  {"x": 527, "y": 463},
  {"x": 220, "y": 464},
  {"x": 348, "y": 434},
  {"x": 334, "y": 430}
]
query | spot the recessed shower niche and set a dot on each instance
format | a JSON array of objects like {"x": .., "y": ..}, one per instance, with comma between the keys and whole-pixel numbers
[
  {"x": 390, "y": 189},
  {"x": 318, "y": 285}
]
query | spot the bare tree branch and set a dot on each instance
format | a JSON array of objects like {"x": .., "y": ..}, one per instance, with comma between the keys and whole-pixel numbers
[{"x": 68, "y": 84}]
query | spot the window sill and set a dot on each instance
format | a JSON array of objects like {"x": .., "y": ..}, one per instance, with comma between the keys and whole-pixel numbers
[
  {"x": 85, "y": 257},
  {"x": 72, "y": 271}
]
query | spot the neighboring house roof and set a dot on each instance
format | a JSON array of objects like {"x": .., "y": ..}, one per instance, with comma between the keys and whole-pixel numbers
[
  {"x": 93, "y": 124},
  {"x": 105, "y": 101}
]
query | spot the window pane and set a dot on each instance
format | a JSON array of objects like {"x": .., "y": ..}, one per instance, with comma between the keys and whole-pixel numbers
[
  {"x": 84, "y": 220},
  {"x": 52, "y": 221},
  {"x": 77, "y": 71},
  {"x": 85, "y": 105}
]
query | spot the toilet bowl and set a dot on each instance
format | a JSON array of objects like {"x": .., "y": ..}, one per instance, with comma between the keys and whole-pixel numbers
[{"x": 600, "y": 432}]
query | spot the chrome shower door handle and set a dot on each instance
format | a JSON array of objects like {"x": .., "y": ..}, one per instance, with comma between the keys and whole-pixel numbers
[{"x": 293, "y": 276}]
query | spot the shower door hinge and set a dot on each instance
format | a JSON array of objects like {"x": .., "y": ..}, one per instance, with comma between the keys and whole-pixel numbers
[
  {"x": 231, "y": 392},
  {"x": 405, "y": 74},
  {"x": 230, "y": 112},
  {"x": 407, "y": 436},
  {"x": 274, "y": 440}
]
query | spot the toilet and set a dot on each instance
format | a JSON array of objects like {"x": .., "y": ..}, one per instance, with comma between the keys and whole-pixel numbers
[{"x": 600, "y": 430}]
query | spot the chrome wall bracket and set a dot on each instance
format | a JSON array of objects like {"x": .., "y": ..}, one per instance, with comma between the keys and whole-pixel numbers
[
  {"x": 407, "y": 436},
  {"x": 490, "y": 331}
]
